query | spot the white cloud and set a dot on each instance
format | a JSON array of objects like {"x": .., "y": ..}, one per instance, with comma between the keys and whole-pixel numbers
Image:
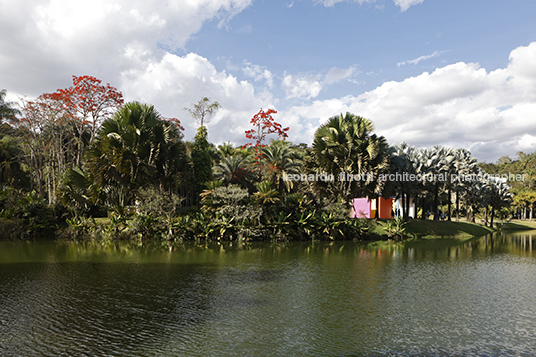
[
  {"x": 330, "y": 3},
  {"x": 258, "y": 73},
  {"x": 297, "y": 86},
  {"x": 421, "y": 58},
  {"x": 461, "y": 105},
  {"x": 403, "y": 4},
  {"x": 50, "y": 41},
  {"x": 336, "y": 74},
  {"x": 308, "y": 86},
  {"x": 406, "y": 4}
]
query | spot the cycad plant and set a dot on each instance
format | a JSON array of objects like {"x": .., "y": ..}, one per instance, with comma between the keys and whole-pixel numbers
[{"x": 236, "y": 169}]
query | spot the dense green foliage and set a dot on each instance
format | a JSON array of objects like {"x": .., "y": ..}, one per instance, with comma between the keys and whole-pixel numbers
[
  {"x": 525, "y": 190},
  {"x": 133, "y": 150},
  {"x": 133, "y": 176},
  {"x": 346, "y": 146}
]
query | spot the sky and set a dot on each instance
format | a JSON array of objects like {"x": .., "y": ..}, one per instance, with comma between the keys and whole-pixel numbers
[{"x": 455, "y": 73}]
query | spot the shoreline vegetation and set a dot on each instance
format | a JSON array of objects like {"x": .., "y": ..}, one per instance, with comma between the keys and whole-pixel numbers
[
  {"x": 79, "y": 163},
  {"x": 373, "y": 230}
]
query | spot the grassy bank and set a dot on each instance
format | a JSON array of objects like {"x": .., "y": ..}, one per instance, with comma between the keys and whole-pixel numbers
[
  {"x": 519, "y": 225},
  {"x": 428, "y": 229}
]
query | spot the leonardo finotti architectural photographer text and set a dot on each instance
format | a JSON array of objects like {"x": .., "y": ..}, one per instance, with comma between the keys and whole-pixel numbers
[{"x": 409, "y": 177}]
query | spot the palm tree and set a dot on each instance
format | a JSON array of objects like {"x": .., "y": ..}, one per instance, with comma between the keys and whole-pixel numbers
[
  {"x": 403, "y": 162},
  {"x": 477, "y": 194},
  {"x": 235, "y": 170},
  {"x": 281, "y": 161},
  {"x": 434, "y": 164},
  {"x": 346, "y": 146},
  {"x": 499, "y": 196},
  {"x": 464, "y": 166},
  {"x": 449, "y": 168},
  {"x": 137, "y": 148}
]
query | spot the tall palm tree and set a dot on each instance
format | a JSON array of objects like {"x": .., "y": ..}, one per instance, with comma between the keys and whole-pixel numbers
[
  {"x": 403, "y": 162},
  {"x": 477, "y": 194},
  {"x": 499, "y": 196},
  {"x": 137, "y": 148},
  {"x": 346, "y": 146},
  {"x": 464, "y": 165},
  {"x": 281, "y": 160},
  {"x": 435, "y": 163}
]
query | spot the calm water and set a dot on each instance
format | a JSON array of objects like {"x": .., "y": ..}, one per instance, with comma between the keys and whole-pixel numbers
[{"x": 441, "y": 298}]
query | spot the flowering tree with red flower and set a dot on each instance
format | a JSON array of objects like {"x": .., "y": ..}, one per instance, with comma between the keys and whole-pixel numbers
[
  {"x": 89, "y": 100},
  {"x": 88, "y": 103},
  {"x": 264, "y": 124}
]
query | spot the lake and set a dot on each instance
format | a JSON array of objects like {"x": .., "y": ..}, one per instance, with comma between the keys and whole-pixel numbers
[{"x": 421, "y": 298}]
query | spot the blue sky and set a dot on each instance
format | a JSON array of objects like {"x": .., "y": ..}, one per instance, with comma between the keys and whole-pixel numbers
[
  {"x": 429, "y": 72},
  {"x": 376, "y": 38}
]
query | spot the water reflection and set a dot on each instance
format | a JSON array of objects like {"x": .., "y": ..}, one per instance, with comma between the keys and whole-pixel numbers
[{"x": 437, "y": 298}]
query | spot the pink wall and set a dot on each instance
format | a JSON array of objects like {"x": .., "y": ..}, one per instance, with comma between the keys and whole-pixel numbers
[{"x": 361, "y": 208}]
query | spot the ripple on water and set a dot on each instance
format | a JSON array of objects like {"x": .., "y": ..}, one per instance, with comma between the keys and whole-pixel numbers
[{"x": 296, "y": 300}]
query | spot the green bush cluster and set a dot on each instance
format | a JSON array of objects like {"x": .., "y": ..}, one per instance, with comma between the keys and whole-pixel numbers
[
  {"x": 227, "y": 213},
  {"x": 27, "y": 215}
]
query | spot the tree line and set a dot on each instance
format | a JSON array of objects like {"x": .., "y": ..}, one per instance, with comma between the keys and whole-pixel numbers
[{"x": 81, "y": 153}]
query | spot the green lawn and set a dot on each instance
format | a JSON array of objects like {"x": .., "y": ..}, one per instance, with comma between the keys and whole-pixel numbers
[
  {"x": 429, "y": 229},
  {"x": 517, "y": 224},
  {"x": 433, "y": 229}
]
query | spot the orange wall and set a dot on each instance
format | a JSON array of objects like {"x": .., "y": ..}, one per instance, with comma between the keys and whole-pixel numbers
[{"x": 386, "y": 206}]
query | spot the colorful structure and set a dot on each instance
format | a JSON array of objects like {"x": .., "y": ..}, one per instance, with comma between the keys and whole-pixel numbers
[{"x": 367, "y": 208}]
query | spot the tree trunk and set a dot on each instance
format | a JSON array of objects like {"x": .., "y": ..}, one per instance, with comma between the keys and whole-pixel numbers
[
  {"x": 408, "y": 199},
  {"x": 469, "y": 214},
  {"x": 49, "y": 186},
  {"x": 39, "y": 165},
  {"x": 423, "y": 203},
  {"x": 436, "y": 194},
  {"x": 492, "y": 215},
  {"x": 457, "y": 206},
  {"x": 32, "y": 169},
  {"x": 449, "y": 199},
  {"x": 531, "y": 208},
  {"x": 486, "y": 216},
  {"x": 404, "y": 213}
]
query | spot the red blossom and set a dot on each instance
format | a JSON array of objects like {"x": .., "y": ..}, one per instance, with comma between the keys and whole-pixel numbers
[
  {"x": 175, "y": 122},
  {"x": 88, "y": 102},
  {"x": 264, "y": 124}
]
